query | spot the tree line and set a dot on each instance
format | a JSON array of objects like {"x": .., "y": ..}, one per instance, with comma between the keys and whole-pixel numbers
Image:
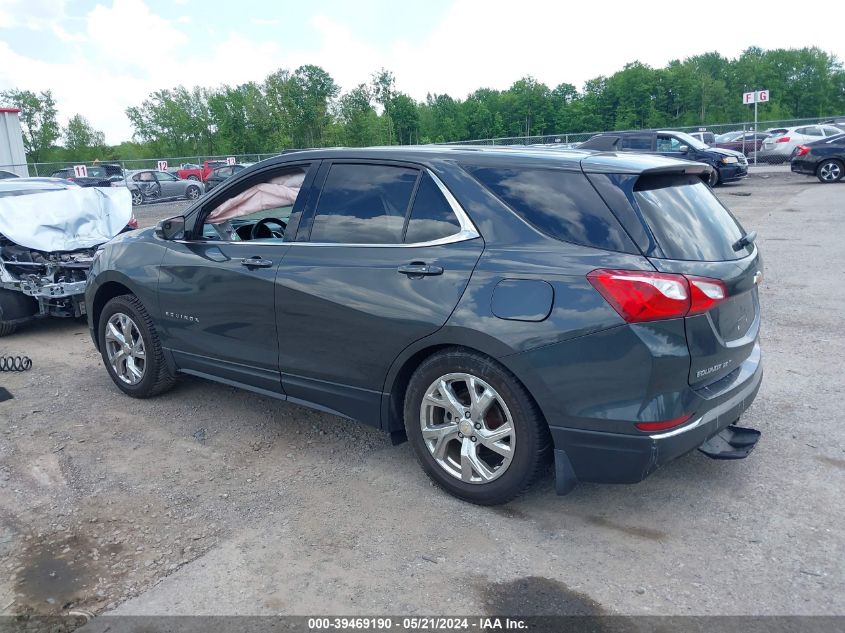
[{"x": 306, "y": 108}]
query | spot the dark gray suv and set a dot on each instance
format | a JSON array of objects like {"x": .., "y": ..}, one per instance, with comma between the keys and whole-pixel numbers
[{"x": 500, "y": 308}]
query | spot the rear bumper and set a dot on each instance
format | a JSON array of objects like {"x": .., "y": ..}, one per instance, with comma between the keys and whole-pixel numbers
[
  {"x": 583, "y": 455},
  {"x": 803, "y": 167}
]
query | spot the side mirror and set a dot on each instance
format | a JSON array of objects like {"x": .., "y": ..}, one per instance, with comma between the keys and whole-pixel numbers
[
  {"x": 171, "y": 229},
  {"x": 684, "y": 149}
]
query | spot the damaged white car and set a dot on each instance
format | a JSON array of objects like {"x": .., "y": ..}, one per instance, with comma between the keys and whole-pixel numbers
[{"x": 50, "y": 230}]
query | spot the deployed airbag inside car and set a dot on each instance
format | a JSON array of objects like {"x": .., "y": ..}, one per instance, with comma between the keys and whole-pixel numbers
[
  {"x": 66, "y": 220},
  {"x": 278, "y": 192}
]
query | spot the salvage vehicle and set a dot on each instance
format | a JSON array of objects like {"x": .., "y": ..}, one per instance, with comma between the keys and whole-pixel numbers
[
  {"x": 98, "y": 175},
  {"x": 823, "y": 159},
  {"x": 727, "y": 165},
  {"x": 195, "y": 172},
  {"x": 49, "y": 232},
  {"x": 497, "y": 307},
  {"x": 151, "y": 185},
  {"x": 219, "y": 174}
]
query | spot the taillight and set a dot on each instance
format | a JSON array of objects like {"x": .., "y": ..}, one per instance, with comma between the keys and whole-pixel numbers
[
  {"x": 801, "y": 150},
  {"x": 640, "y": 296},
  {"x": 705, "y": 293},
  {"x": 662, "y": 425},
  {"x": 783, "y": 139}
]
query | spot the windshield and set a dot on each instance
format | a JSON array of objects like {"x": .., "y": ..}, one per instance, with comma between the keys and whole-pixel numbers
[{"x": 691, "y": 140}]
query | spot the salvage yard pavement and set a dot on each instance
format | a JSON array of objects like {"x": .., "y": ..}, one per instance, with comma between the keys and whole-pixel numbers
[{"x": 210, "y": 500}]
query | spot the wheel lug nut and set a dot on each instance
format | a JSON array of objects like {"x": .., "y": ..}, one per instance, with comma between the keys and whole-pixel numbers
[
  {"x": 474, "y": 439},
  {"x": 477, "y": 425},
  {"x": 461, "y": 435}
]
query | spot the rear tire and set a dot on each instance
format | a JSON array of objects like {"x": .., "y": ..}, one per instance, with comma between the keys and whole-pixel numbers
[
  {"x": 830, "y": 170},
  {"x": 137, "y": 198},
  {"x": 7, "y": 328},
  {"x": 192, "y": 193},
  {"x": 192, "y": 177},
  {"x": 149, "y": 370},
  {"x": 489, "y": 456}
]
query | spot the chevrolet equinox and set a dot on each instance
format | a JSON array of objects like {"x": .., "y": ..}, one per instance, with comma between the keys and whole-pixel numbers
[{"x": 500, "y": 308}]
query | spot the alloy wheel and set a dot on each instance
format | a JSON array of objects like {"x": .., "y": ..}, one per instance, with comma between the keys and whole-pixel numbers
[
  {"x": 193, "y": 193},
  {"x": 137, "y": 198},
  {"x": 467, "y": 428},
  {"x": 830, "y": 171},
  {"x": 125, "y": 348}
]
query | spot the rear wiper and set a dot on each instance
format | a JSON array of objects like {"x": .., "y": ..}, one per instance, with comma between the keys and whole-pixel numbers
[{"x": 744, "y": 241}]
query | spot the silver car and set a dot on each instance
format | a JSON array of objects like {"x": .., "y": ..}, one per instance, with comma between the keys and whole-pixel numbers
[
  {"x": 778, "y": 147},
  {"x": 148, "y": 185}
]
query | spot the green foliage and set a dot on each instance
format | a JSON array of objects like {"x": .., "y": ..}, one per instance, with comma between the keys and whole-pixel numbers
[
  {"x": 38, "y": 120},
  {"x": 305, "y": 108}
]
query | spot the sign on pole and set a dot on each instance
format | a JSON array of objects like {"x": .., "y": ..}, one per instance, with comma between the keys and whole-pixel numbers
[
  {"x": 758, "y": 96},
  {"x": 80, "y": 171},
  {"x": 162, "y": 165},
  {"x": 230, "y": 160}
]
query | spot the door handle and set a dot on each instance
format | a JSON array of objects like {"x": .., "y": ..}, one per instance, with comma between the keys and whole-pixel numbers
[
  {"x": 256, "y": 262},
  {"x": 419, "y": 269}
]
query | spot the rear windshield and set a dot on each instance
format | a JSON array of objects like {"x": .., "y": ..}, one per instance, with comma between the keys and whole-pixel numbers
[
  {"x": 561, "y": 204},
  {"x": 687, "y": 220}
]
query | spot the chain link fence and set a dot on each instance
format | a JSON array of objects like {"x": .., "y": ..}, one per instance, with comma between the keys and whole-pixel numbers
[
  {"x": 173, "y": 163},
  {"x": 774, "y": 142}
]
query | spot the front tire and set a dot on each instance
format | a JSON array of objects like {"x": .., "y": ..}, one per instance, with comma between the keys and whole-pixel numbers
[
  {"x": 474, "y": 428},
  {"x": 137, "y": 198},
  {"x": 131, "y": 349},
  {"x": 714, "y": 179},
  {"x": 7, "y": 328},
  {"x": 830, "y": 170}
]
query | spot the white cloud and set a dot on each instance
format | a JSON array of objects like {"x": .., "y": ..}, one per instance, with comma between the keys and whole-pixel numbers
[
  {"x": 264, "y": 22},
  {"x": 64, "y": 36},
  {"x": 130, "y": 32},
  {"x": 184, "y": 19}
]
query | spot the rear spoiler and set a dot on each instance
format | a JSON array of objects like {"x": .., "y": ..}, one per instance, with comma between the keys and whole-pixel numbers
[{"x": 640, "y": 164}]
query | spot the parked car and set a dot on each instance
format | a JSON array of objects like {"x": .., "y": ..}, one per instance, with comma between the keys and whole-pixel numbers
[
  {"x": 779, "y": 148},
  {"x": 728, "y": 136},
  {"x": 705, "y": 137},
  {"x": 745, "y": 142},
  {"x": 7, "y": 174},
  {"x": 219, "y": 174},
  {"x": 389, "y": 285},
  {"x": 148, "y": 185},
  {"x": 98, "y": 175},
  {"x": 47, "y": 245},
  {"x": 824, "y": 159},
  {"x": 195, "y": 172},
  {"x": 727, "y": 165}
]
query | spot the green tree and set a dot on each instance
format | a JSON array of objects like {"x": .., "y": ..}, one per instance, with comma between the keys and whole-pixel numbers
[
  {"x": 82, "y": 141},
  {"x": 39, "y": 124}
]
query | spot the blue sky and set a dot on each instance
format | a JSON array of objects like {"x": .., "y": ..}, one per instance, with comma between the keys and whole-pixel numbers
[{"x": 101, "y": 56}]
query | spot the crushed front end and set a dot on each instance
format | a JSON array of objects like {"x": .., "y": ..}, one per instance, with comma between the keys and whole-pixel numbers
[{"x": 55, "y": 282}]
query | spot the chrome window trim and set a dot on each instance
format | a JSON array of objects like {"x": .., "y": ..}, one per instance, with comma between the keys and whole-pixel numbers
[{"x": 466, "y": 232}]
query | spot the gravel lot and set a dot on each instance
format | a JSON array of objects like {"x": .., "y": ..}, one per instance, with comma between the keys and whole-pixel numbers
[{"x": 217, "y": 501}]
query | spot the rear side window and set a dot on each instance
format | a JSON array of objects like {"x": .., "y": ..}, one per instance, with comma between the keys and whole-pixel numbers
[
  {"x": 688, "y": 222},
  {"x": 561, "y": 204},
  {"x": 642, "y": 143},
  {"x": 363, "y": 204},
  {"x": 431, "y": 216}
]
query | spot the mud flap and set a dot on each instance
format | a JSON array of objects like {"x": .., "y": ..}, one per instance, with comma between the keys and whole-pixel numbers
[
  {"x": 732, "y": 442},
  {"x": 565, "y": 478}
]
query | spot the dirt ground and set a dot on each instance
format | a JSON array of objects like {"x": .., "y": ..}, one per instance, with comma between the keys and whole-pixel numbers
[{"x": 217, "y": 501}]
